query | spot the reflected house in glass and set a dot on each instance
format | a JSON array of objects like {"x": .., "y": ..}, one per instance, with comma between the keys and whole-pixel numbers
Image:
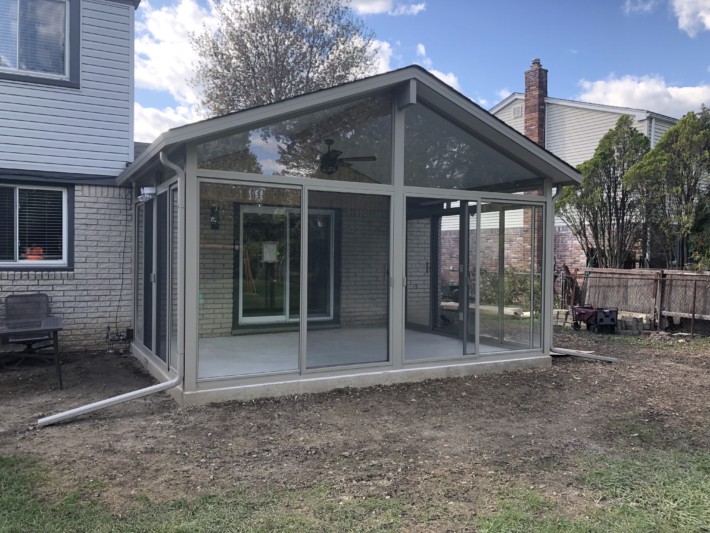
[{"x": 381, "y": 231}]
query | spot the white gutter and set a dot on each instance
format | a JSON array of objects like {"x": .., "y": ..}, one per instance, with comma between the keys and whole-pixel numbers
[{"x": 90, "y": 408}]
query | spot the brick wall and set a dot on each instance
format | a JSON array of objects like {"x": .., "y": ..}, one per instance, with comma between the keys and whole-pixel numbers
[
  {"x": 418, "y": 275},
  {"x": 99, "y": 290},
  {"x": 365, "y": 259},
  {"x": 568, "y": 251}
]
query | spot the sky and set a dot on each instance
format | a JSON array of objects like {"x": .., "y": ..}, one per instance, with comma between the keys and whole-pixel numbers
[{"x": 646, "y": 54}]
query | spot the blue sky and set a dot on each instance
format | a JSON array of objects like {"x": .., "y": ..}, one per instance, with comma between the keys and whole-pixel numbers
[{"x": 649, "y": 54}]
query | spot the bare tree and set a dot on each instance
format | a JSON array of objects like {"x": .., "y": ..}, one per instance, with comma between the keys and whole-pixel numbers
[{"x": 263, "y": 51}]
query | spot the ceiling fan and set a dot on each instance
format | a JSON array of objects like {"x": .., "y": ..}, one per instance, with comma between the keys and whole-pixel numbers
[{"x": 331, "y": 160}]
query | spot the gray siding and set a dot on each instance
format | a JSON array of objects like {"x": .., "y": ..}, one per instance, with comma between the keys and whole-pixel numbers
[
  {"x": 662, "y": 126},
  {"x": 573, "y": 133},
  {"x": 86, "y": 130},
  {"x": 507, "y": 115}
]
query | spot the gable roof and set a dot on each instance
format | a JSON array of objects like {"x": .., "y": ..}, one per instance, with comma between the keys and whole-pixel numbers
[
  {"x": 638, "y": 114},
  {"x": 452, "y": 103}
]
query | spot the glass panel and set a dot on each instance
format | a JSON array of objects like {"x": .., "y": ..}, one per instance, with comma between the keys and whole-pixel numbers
[
  {"x": 249, "y": 259},
  {"x": 440, "y": 154},
  {"x": 348, "y": 279},
  {"x": 173, "y": 275},
  {"x": 349, "y": 142},
  {"x": 42, "y": 40},
  {"x": 510, "y": 271},
  {"x": 40, "y": 224},
  {"x": 8, "y": 239},
  {"x": 8, "y": 37},
  {"x": 434, "y": 319},
  {"x": 147, "y": 275},
  {"x": 162, "y": 279},
  {"x": 471, "y": 273},
  {"x": 140, "y": 270}
]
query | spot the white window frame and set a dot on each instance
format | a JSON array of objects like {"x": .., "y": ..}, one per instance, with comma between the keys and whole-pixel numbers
[
  {"x": 67, "y": 50},
  {"x": 33, "y": 263}
]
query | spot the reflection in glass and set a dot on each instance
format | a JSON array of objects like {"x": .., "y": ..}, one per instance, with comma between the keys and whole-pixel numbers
[
  {"x": 348, "y": 142},
  {"x": 511, "y": 277},
  {"x": 249, "y": 271},
  {"x": 348, "y": 280},
  {"x": 440, "y": 154}
]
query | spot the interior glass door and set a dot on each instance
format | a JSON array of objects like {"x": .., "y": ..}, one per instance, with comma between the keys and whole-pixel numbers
[
  {"x": 270, "y": 265},
  {"x": 265, "y": 265}
]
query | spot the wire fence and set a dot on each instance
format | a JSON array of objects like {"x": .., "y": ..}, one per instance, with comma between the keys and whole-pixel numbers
[{"x": 664, "y": 295}]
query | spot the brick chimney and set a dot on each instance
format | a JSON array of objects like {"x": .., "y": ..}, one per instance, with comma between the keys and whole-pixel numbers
[{"x": 535, "y": 94}]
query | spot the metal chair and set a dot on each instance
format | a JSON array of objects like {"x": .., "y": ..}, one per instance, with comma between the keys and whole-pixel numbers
[{"x": 28, "y": 322}]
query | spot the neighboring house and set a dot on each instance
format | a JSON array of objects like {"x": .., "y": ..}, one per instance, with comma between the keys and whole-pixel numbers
[
  {"x": 571, "y": 130},
  {"x": 384, "y": 230},
  {"x": 66, "y": 133}
]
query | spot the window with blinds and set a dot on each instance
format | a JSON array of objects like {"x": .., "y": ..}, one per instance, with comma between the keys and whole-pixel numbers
[
  {"x": 33, "y": 225},
  {"x": 36, "y": 37}
]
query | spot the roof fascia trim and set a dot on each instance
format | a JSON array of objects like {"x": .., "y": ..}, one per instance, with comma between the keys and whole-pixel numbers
[{"x": 505, "y": 101}]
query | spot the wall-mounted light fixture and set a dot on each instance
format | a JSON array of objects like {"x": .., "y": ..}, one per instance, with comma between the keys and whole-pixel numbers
[
  {"x": 214, "y": 216},
  {"x": 147, "y": 193}
]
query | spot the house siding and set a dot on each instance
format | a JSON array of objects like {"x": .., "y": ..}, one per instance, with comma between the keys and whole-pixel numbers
[
  {"x": 573, "y": 133},
  {"x": 661, "y": 127},
  {"x": 506, "y": 115},
  {"x": 98, "y": 291},
  {"x": 81, "y": 131}
]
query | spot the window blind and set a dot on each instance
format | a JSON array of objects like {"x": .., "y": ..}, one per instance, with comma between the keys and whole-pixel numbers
[{"x": 40, "y": 225}]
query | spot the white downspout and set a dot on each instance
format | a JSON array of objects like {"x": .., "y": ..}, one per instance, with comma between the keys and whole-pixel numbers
[{"x": 78, "y": 411}]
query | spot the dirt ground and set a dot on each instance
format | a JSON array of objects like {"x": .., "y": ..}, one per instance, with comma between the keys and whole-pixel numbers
[{"x": 450, "y": 439}]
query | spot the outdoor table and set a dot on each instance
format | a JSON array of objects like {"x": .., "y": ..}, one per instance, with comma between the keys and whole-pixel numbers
[{"x": 32, "y": 331}]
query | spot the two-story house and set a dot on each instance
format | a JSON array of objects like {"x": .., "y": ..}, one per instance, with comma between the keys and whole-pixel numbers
[
  {"x": 66, "y": 133},
  {"x": 571, "y": 130}
]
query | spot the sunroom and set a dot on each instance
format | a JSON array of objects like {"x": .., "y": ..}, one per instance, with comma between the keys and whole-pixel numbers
[{"x": 380, "y": 231}]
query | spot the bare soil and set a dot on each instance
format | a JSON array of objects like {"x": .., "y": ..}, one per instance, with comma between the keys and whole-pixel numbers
[{"x": 456, "y": 441}]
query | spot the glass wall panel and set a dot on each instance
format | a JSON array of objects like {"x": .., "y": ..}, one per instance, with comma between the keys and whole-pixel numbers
[
  {"x": 174, "y": 213},
  {"x": 471, "y": 276},
  {"x": 348, "y": 142},
  {"x": 249, "y": 271},
  {"x": 140, "y": 271},
  {"x": 434, "y": 293},
  {"x": 348, "y": 279},
  {"x": 440, "y": 154},
  {"x": 162, "y": 278},
  {"x": 147, "y": 278},
  {"x": 510, "y": 272}
]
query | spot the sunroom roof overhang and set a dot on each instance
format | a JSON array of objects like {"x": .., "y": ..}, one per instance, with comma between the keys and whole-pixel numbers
[{"x": 426, "y": 88}]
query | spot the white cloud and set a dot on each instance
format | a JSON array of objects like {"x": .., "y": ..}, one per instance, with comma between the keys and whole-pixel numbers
[
  {"x": 447, "y": 77},
  {"x": 164, "y": 56},
  {"x": 378, "y": 7},
  {"x": 383, "y": 57},
  {"x": 645, "y": 92},
  {"x": 632, "y": 7},
  {"x": 151, "y": 122},
  {"x": 503, "y": 93},
  {"x": 693, "y": 15}
]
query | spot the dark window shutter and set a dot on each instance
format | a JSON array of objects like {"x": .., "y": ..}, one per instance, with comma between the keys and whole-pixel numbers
[{"x": 8, "y": 240}]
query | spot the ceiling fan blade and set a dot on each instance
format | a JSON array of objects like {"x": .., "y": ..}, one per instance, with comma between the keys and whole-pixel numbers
[{"x": 362, "y": 158}]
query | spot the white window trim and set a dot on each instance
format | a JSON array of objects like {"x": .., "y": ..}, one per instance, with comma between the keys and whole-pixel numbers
[
  {"x": 33, "y": 263},
  {"x": 67, "y": 52}
]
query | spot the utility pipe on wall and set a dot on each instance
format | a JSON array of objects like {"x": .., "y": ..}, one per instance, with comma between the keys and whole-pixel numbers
[{"x": 78, "y": 411}]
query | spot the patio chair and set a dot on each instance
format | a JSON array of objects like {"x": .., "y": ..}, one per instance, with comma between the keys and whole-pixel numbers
[{"x": 28, "y": 322}]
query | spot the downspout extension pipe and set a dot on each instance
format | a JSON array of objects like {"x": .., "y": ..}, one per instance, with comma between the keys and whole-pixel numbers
[{"x": 101, "y": 404}]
